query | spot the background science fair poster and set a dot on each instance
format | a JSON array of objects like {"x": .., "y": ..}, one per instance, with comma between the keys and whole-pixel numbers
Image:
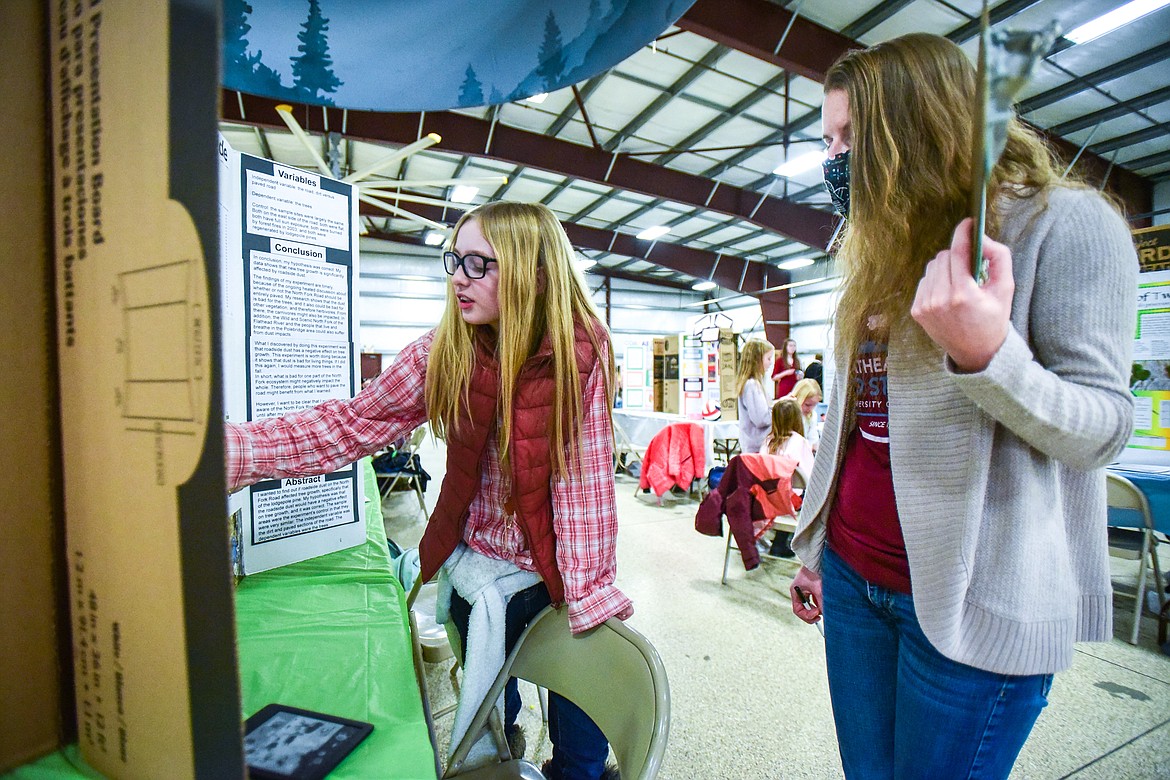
[
  {"x": 1150, "y": 377},
  {"x": 290, "y": 324}
]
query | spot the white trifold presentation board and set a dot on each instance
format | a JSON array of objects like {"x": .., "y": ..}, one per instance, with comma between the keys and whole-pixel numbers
[{"x": 290, "y": 336}]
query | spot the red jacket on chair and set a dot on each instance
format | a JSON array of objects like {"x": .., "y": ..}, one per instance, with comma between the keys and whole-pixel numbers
[
  {"x": 676, "y": 456},
  {"x": 754, "y": 490}
]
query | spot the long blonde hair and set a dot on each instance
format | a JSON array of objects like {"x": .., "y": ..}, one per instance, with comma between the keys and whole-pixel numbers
[
  {"x": 786, "y": 420},
  {"x": 541, "y": 292},
  {"x": 802, "y": 391},
  {"x": 911, "y": 107},
  {"x": 751, "y": 363}
]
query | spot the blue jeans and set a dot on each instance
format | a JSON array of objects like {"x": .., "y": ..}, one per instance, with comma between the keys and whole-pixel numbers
[
  {"x": 902, "y": 709},
  {"x": 579, "y": 747}
]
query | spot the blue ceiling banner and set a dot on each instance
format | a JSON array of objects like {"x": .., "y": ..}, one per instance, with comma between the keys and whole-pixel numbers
[{"x": 429, "y": 55}]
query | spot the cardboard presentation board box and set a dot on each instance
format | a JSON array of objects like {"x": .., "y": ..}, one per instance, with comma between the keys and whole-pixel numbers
[
  {"x": 671, "y": 396},
  {"x": 728, "y": 366},
  {"x": 130, "y": 614},
  {"x": 665, "y": 370},
  {"x": 35, "y": 679}
]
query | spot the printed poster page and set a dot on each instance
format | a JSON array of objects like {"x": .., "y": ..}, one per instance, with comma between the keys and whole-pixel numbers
[
  {"x": 294, "y": 277},
  {"x": 1150, "y": 374}
]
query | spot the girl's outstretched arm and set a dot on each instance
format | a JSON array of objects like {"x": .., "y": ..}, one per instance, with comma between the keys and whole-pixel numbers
[{"x": 334, "y": 433}]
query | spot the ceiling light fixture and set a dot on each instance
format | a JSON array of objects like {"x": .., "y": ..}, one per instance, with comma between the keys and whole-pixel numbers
[
  {"x": 538, "y": 98},
  {"x": 704, "y": 286},
  {"x": 585, "y": 263},
  {"x": 464, "y": 193},
  {"x": 797, "y": 262},
  {"x": 651, "y": 233},
  {"x": 1118, "y": 17},
  {"x": 433, "y": 238},
  {"x": 801, "y": 164}
]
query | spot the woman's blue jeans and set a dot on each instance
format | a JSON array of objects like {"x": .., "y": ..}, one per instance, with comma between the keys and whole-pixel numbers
[
  {"x": 579, "y": 747},
  {"x": 902, "y": 709}
]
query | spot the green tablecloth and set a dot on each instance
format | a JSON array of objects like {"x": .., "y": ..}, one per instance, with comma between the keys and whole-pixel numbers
[
  {"x": 65, "y": 764},
  {"x": 329, "y": 634},
  {"x": 332, "y": 634}
]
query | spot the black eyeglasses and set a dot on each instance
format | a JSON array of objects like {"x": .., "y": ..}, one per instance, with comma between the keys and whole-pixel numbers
[{"x": 475, "y": 266}]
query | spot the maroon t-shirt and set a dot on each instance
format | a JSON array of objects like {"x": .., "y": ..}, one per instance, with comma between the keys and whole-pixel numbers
[{"x": 863, "y": 522}]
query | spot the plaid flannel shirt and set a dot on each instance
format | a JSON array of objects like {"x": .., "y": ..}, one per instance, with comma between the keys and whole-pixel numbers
[{"x": 338, "y": 432}]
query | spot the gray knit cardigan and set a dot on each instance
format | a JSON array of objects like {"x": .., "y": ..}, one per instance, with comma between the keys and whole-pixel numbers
[{"x": 999, "y": 475}]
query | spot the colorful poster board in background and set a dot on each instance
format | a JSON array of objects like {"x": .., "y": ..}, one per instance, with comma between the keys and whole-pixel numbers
[
  {"x": 290, "y": 267},
  {"x": 637, "y": 382},
  {"x": 693, "y": 374},
  {"x": 1150, "y": 376},
  {"x": 683, "y": 374}
]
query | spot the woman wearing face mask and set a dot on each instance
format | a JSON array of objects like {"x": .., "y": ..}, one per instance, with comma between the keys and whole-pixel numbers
[
  {"x": 517, "y": 377},
  {"x": 989, "y": 411}
]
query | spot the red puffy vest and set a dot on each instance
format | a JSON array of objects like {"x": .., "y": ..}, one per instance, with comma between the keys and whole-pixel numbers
[{"x": 530, "y": 459}]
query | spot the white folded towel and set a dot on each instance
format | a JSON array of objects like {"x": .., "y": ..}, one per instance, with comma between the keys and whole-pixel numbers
[{"x": 486, "y": 584}]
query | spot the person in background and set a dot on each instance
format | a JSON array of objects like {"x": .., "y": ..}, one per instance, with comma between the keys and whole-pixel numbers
[
  {"x": 787, "y": 438},
  {"x": 987, "y": 409},
  {"x": 807, "y": 393},
  {"x": 755, "y": 408},
  {"x": 786, "y": 371},
  {"x": 520, "y": 355},
  {"x": 816, "y": 369}
]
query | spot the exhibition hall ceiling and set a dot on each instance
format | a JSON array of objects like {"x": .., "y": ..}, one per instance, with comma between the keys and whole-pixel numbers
[{"x": 685, "y": 134}]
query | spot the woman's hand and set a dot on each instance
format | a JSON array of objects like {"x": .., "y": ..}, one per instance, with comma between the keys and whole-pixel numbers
[
  {"x": 786, "y": 372},
  {"x": 810, "y": 583},
  {"x": 968, "y": 321}
]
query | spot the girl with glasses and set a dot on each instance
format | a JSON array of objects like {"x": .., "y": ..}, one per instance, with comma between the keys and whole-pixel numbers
[
  {"x": 953, "y": 530},
  {"x": 517, "y": 377}
]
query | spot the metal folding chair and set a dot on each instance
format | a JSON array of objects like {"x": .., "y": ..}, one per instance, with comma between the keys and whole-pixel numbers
[
  {"x": 624, "y": 448},
  {"x": 1131, "y": 536},
  {"x": 784, "y": 523},
  {"x": 611, "y": 672},
  {"x": 387, "y": 482}
]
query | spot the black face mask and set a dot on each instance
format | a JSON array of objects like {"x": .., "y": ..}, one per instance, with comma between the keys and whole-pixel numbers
[{"x": 836, "y": 170}]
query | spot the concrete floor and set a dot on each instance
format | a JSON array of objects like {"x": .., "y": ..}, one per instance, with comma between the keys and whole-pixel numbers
[{"x": 749, "y": 698}]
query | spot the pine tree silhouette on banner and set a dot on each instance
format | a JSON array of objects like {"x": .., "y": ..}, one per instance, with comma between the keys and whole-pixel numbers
[
  {"x": 471, "y": 93},
  {"x": 551, "y": 56},
  {"x": 235, "y": 30},
  {"x": 313, "y": 67}
]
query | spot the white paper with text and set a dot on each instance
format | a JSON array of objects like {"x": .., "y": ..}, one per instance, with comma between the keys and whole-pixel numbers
[{"x": 291, "y": 269}]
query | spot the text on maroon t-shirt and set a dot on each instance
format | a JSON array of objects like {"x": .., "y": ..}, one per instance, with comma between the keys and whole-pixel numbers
[{"x": 863, "y": 522}]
